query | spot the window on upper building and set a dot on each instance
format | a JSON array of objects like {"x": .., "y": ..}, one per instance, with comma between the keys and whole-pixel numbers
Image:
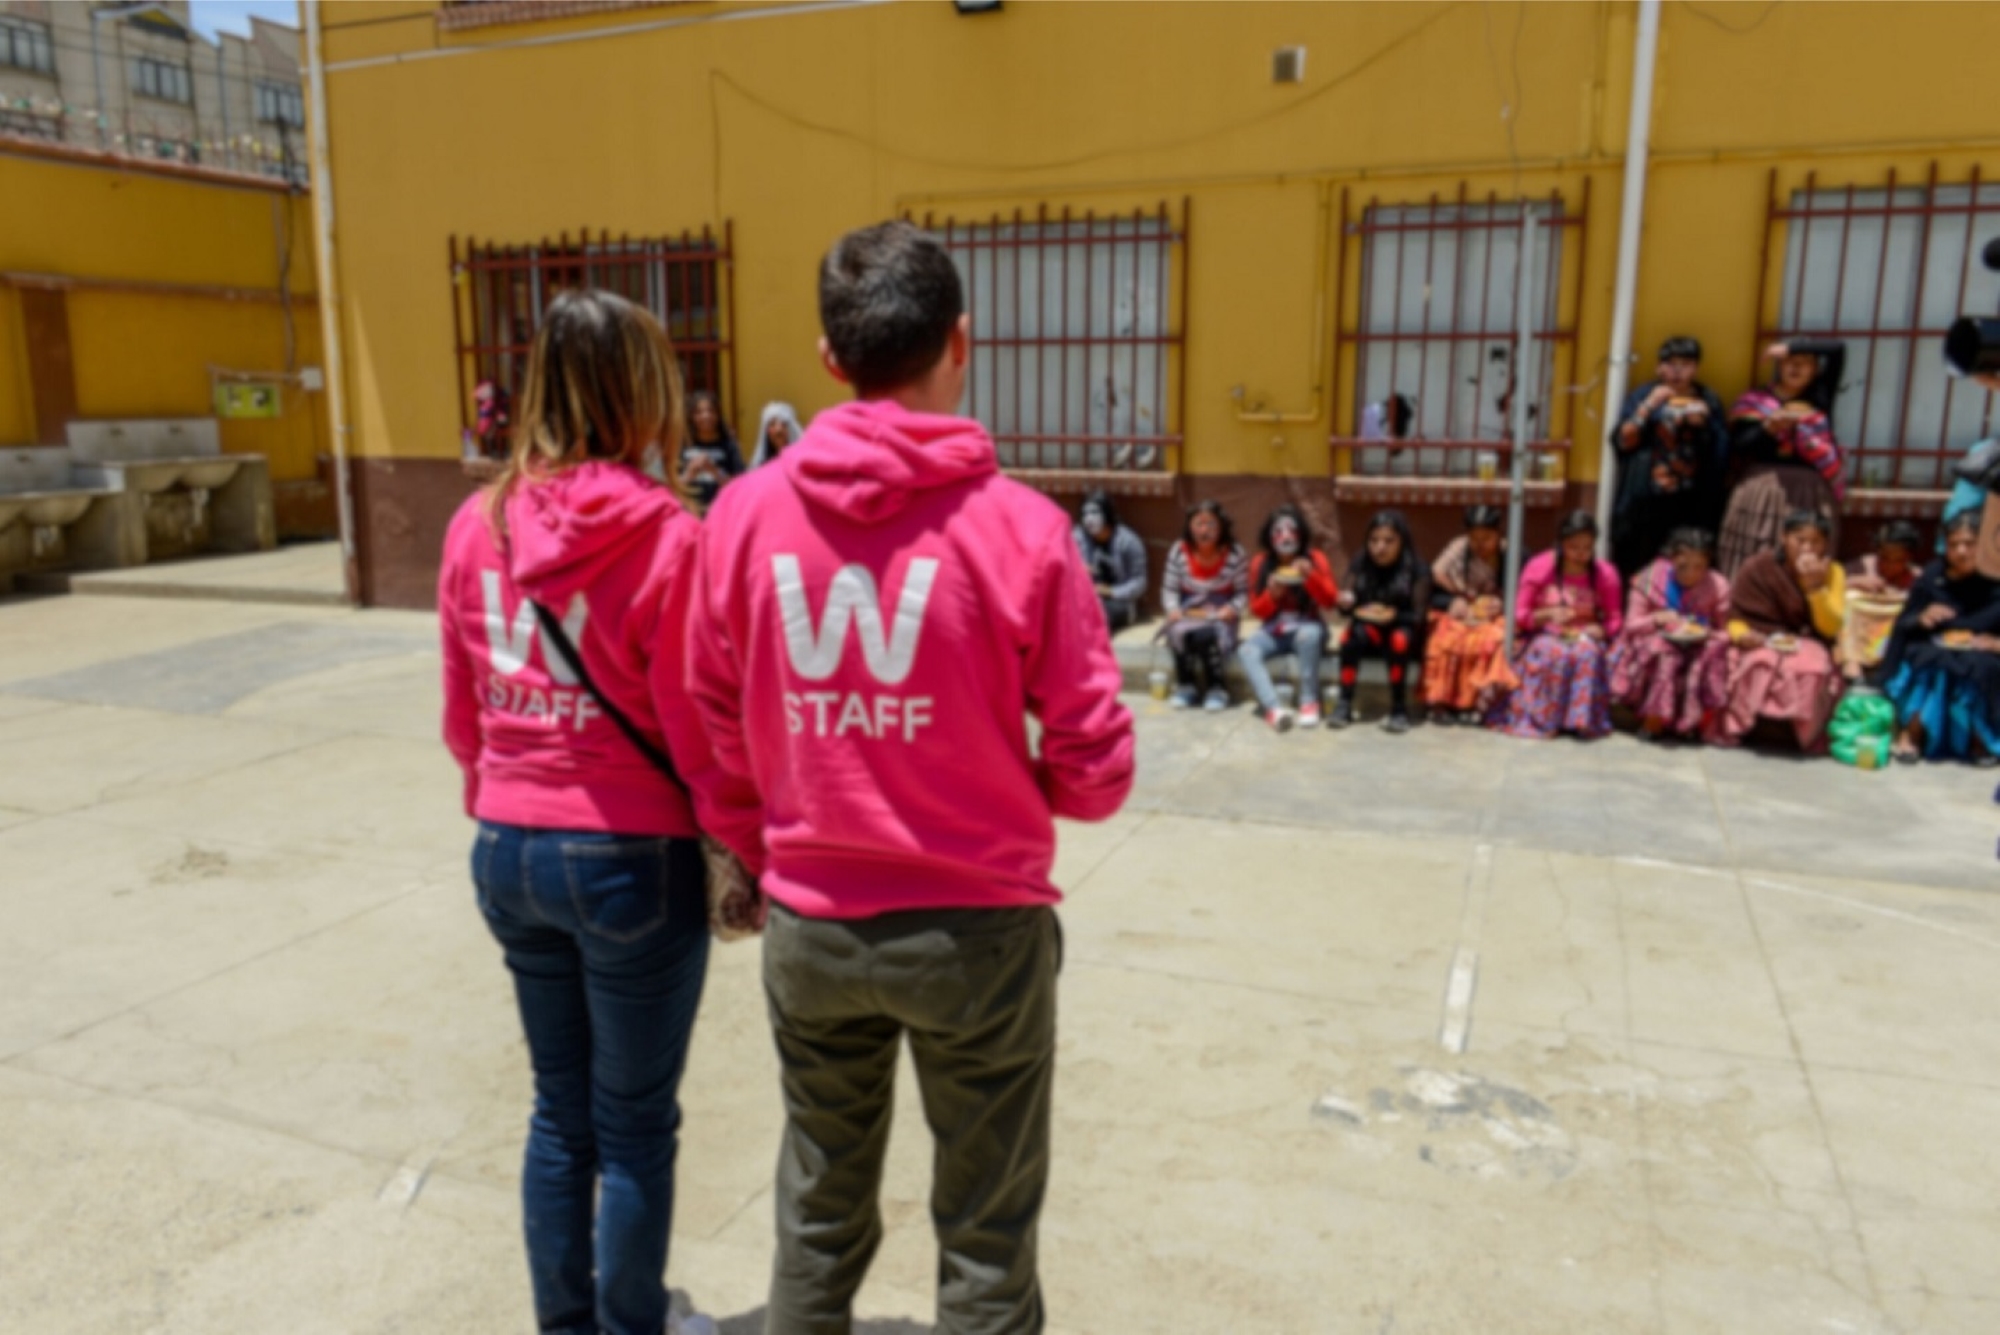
[
  {"x": 1076, "y": 341},
  {"x": 280, "y": 104},
  {"x": 162, "y": 80},
  {"x": 26, "y": 46},
  {"x": 1885, "y": 268}
]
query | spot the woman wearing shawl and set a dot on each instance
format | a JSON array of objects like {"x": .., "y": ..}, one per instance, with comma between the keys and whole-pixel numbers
[
  {"x": 1671, "y": 662},
  {"x": 1943, "y": 663},
  {"x": 1388, "y": 594},
  {"x": 1782, "y": 438},
  {"x": 1465, "y": 656},
  {"x": 1786, "y": 610},
  {"x": 1568, "y": 609},
  {"x": 776, "y": 430},
  {"x": 709, "y": 456}
]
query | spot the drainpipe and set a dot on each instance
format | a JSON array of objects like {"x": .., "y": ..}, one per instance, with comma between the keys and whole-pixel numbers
[
  {"x": 1631, "y": 214},
  {"x": 329, "y": 297}
]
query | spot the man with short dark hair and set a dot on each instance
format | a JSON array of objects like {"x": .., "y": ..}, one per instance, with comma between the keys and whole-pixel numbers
[
  {"x": 881, "y": 609},
  {"x": 1673, "y": 456}
]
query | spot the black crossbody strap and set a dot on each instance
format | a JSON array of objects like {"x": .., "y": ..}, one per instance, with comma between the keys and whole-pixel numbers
[{"x": 553, "y": 633}]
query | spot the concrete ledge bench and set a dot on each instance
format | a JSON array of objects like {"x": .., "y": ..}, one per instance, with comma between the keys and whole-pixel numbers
[{"x": 1138, "y": 654}]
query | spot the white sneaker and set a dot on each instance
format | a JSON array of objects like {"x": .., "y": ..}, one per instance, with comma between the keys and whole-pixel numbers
[
  {"x": 694, "y": 1323},
  {"x": 1185, "y": 698},
  {"x": 1281, "y": 720},
  {"x": 1217, "y": 701}
]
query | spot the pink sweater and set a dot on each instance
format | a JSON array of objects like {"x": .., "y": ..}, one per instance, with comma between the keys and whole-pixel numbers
[
  {"x": 611, "y": 554},
  {"x": 880, "y": 614},
  {"x": 1539, "y": 589}
]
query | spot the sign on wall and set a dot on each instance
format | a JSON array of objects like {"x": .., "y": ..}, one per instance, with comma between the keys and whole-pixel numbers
[{"x": 241, "y": 399}]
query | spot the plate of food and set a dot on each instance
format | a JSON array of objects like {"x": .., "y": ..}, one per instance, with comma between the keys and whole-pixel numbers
[
  {"x": 1784, "y": 644},
  {"x": 1685, "y": 632},
  {"x": 1287, "y": 576},
  {"x": 1955, "y": 639}
]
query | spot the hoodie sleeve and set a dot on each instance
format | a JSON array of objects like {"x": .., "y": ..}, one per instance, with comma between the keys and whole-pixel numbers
[
  {"x": 725, "y": 802},
  {"x": 1320, "y": 583},
  {"x": 1072, "y": 681},
  {"x": 461, "y": 698},
  {"x": 712, "y": 679}
]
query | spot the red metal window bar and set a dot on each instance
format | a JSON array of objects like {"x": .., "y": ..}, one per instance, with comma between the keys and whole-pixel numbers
[
  {"x": 1886, "y": 268},
  {"x": 1436, "y": 325},
  {"x": 501, "y": 291},
  {"x": 1077, "y": 335}
]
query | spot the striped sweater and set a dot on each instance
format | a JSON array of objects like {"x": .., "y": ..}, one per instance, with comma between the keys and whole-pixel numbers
[{"x": 1181, "y": 588}]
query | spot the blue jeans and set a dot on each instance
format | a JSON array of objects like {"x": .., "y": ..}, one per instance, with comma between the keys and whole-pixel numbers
[
  {"x": 1307, "y": 639},
  {"x": 607, "y": 938}
]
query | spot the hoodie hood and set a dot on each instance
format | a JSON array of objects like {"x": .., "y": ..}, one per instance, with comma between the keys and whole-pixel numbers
[
  {"x": 564, "y": 528},
  {"x": 869, "y": 461}
]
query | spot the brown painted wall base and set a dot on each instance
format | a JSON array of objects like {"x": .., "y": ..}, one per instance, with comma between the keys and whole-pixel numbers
[
  {"x": 401, "y": 510},
  {"x": 403, "y": 506}
]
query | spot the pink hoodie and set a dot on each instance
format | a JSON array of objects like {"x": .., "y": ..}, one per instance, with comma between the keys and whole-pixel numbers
[
  {"x": 878, "y": 615},
  {"x": 612, "y": 554}
]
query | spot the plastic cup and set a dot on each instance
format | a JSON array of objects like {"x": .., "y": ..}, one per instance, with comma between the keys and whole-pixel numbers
[
  {"x": 1489, "y": 465},
  {"x": 1156, "y": 681}
]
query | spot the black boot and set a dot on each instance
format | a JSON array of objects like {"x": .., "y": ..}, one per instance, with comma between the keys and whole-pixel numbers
[{"x": 1342, "y": 713}]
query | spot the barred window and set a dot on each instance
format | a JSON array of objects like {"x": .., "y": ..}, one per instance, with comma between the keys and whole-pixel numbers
[
  {"x": 502, "y": 292},
  {"x": 1436, "y": 331},
  {"x": 26, "y": 46},
  {"x": 1077, "y": 353},
  {"x": 162, "y": 80},
  {"x": 1886, "y": 268}
]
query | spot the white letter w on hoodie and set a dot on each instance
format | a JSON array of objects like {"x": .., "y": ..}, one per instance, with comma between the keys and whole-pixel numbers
[
  {"x": 510, "y": 642},
  {"x": 852, "y": 596}
]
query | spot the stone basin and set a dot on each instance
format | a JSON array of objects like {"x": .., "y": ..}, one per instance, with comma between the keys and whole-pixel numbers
[
  {"x": 209, "y": 474},
  {"x": 54, "y": 508}
]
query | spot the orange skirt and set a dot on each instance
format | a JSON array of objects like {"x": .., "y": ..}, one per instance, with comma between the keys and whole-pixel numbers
[{"x": 1465, "y": 667}]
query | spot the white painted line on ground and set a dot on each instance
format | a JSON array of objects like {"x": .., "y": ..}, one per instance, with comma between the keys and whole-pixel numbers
[
  {"x": 403, "y": 1185},
  {"x": 1862, "y": 906},
  {"x": 1458, "y": 1001},
  {"x": 1662, "y": 864},
  {"x": 1456, "y": 1029}
]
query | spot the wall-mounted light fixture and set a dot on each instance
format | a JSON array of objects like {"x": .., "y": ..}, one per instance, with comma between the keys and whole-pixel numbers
[{"x": 1288, "y": 65}]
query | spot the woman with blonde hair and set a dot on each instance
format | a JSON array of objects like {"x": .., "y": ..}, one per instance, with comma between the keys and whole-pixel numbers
[{"x": 563, "y": 601}]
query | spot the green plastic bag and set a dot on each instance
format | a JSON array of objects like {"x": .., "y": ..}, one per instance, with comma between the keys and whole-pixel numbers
[{"x": 1861, "y": 730}]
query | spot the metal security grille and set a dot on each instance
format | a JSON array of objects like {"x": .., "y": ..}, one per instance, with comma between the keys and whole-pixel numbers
[
  {"x": 1886, "y": 268},
  {"x": 501, "y": 291},
  {"x": 1077, "y": 320},
  {"x": 1436, "y": 330}
]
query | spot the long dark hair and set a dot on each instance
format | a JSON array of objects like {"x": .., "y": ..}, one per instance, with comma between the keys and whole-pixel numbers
[
  {"x": 723, "y": 435},
  {"x": 1100, "y": 498},
  {"x": 1222, "y": 521},
  {"x": 1397, "y": 585}
]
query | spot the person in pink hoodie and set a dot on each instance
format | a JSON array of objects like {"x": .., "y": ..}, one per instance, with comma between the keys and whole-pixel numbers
[
  {"x": 586, "y": 862},
  {"x": 881, "y": 614}
]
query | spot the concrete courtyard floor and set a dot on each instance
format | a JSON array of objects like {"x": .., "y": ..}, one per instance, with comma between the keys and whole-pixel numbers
[{"x": 1728, "y": 1063}]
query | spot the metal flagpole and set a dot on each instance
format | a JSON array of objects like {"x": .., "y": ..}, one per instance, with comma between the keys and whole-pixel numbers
[{"x": 1524, "y": 351}]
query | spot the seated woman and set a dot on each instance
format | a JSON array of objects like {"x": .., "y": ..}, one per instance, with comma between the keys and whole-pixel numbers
[
  {"x": 1671, "y": 662},
  {"x": 1204, "y": 592},
  {"x": 1781, "y": 436},
  {"x": 1943, "y": 663},
  {"x": 1568, "y": 609},
  {"x": 1785, "y": 614},
  {"x": 1290, "y": 585},
  {"x": 1388, "y": 593},
  {"x": 1115, "y": 557},
  {"x": 1465, "y": 656}
]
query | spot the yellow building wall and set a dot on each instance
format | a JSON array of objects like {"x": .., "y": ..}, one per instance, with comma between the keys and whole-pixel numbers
[
  {"x": 796, "y": 128},
  {"x": 140, "y": 351}
]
